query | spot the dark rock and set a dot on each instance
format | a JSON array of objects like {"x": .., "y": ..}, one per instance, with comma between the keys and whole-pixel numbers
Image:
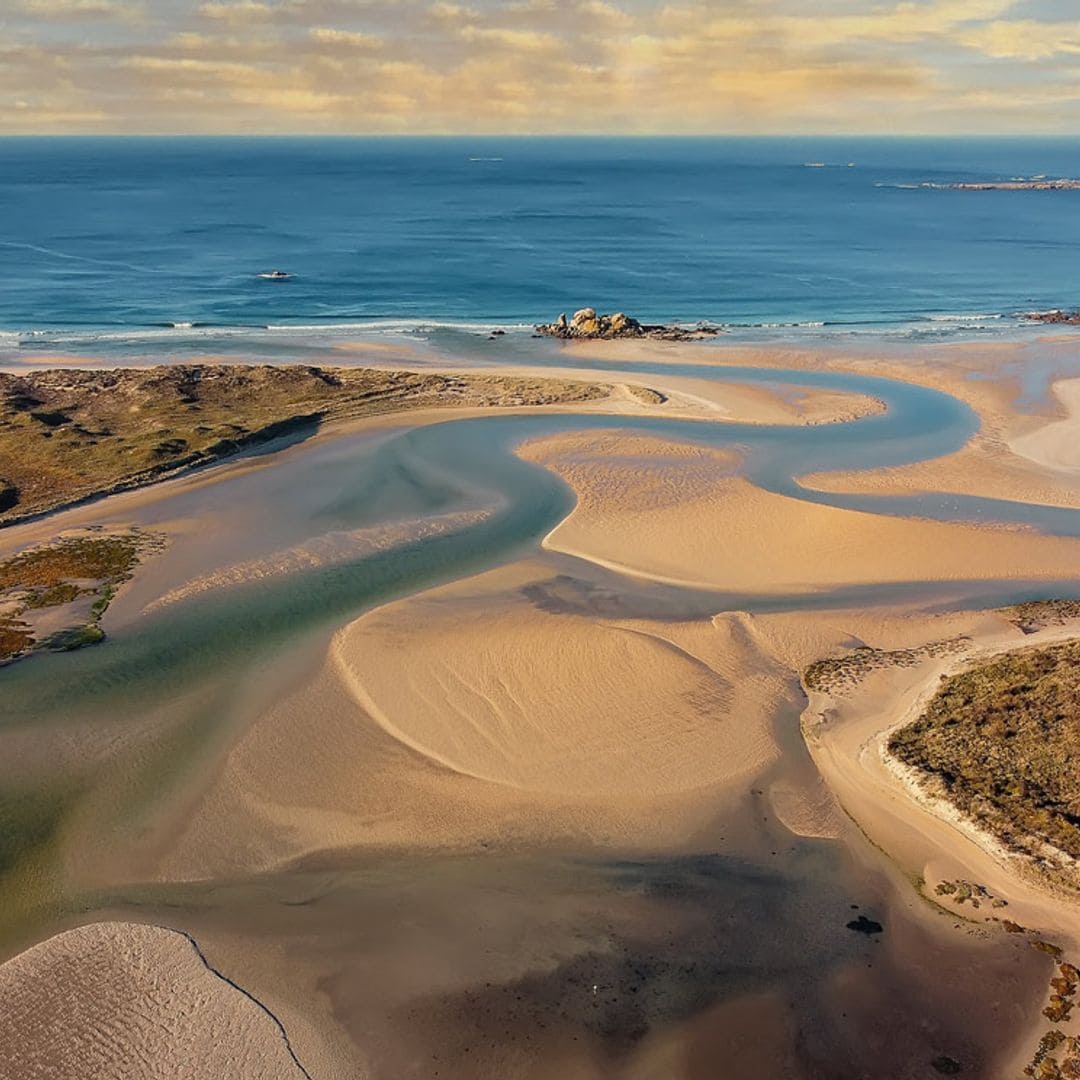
[
  {"x": 946, "y": 1065},
  {"x": 863, "y": 925}
]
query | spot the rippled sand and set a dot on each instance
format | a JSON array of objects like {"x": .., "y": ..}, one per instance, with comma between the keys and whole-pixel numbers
[{"x": 125, "y": 1000}]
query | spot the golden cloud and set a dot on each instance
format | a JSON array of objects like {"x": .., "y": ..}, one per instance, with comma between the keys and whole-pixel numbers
[
  {"x": 77, "y": 9},
  {"x": 237, "y": 10},
  {"x": 1024, "y": 39},
  {"x": 350, "y": 39},
  {"x": 605, "y": 65}
]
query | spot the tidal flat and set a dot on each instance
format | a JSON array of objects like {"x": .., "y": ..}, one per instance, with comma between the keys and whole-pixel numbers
[{"x": 478, "y": 741}]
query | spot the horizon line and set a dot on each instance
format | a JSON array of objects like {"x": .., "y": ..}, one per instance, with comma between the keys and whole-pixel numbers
[{"x": 591, "y": 135}]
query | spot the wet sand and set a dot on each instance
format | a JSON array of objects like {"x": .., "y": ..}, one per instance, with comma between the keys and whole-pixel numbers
[{"x": 551, "y": 817}]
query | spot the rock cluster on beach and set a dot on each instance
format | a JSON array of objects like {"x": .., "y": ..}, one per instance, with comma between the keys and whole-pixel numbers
[{"x": 587, "y": 324}]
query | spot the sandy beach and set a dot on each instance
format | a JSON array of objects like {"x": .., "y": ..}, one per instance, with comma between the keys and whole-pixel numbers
[{"x": 483, "y": 745}]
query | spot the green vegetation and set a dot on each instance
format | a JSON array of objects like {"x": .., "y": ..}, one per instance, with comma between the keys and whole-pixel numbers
[
  {"x": 1036, "y": 614},
  {"x": 1002, "y": 742},
  {"x": 15, "y": 638},
  {"x": 837, "y": 673},
  {"x": 60, "y": 574},
  {"x": 66, "y": 435},
  {"x": 49, "y": 571},
  {"x": 54, "y": 595},
  {"x": 77, "y": 637},
  {"x": 646, "y": 394},
  {"x": 963, "y": 892}
]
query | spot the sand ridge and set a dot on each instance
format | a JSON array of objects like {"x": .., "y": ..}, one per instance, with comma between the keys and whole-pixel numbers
[
  {"x": 721, "y": 532},
  {"x": 128, "y": 1000},
  {"x": 553, "y": 702}
]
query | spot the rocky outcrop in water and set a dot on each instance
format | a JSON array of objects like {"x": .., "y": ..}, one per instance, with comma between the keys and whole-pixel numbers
[
  {"x": 1035, "y": 183},
  {"x": 587, "y": 325},
  {"x": 1067, "y": 318}
]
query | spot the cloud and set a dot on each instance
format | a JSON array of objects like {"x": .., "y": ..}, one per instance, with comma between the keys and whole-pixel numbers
[
  {"x": 238, "y": 10},
  {"x": 78, "y": 9},
  {"x": 447, "y": 12},
  {"x": 606, "y": 15},
  {"x": 1024, "y": 39},
  {"x": 349, "y": 39},
  {"x": 540, "y": 66},
  {"x": 513, "y": 40}
]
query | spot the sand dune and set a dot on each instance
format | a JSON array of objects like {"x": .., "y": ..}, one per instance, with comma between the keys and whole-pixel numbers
[
  {"x": 984, "y": 467},
  {"x": 125, "y": 1000},
  {"x": 1056, "y": 445},
  {"x": 707, "y": 527},
  {"x": 496, "y": 711},
  {"x": 499, "y": 689}
]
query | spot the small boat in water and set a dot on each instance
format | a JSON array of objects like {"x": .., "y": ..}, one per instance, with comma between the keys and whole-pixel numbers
[{"x": 276, "y": 275}]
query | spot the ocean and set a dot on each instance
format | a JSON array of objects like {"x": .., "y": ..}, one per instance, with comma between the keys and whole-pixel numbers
[{"x": 154, "y": 246}]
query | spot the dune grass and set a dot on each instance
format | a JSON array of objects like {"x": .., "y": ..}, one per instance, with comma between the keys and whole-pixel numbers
[
  {"x": 59, "y": 574},
  {"x": 1001, "y": 741}
]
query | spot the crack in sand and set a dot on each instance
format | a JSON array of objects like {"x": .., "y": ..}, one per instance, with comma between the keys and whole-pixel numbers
[{"x": 247, "y": 993}]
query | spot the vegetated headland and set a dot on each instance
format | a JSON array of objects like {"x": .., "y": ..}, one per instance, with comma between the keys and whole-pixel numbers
[
  {"x": 52, "y": 597},
  {"x": 1001, "y": 742},
  {"x": 67, "y": 435}
]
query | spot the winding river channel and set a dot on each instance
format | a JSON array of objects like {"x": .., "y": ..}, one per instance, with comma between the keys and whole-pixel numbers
[
  {"x": 742, "y": 924},
  {"x": 358, "y": 481}
]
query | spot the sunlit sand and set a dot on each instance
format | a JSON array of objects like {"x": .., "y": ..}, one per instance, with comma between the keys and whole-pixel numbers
[{"x": 602, "y": 721}]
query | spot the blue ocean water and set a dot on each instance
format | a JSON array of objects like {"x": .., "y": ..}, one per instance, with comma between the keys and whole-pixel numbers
[{"x": 107, "y": 242}]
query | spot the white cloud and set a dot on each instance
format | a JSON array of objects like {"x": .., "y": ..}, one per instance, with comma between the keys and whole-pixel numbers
[{"x": 351, "y": 39}]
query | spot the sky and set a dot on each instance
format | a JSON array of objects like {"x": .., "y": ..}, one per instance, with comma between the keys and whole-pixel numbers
[{"x": 539, "y": 66}]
